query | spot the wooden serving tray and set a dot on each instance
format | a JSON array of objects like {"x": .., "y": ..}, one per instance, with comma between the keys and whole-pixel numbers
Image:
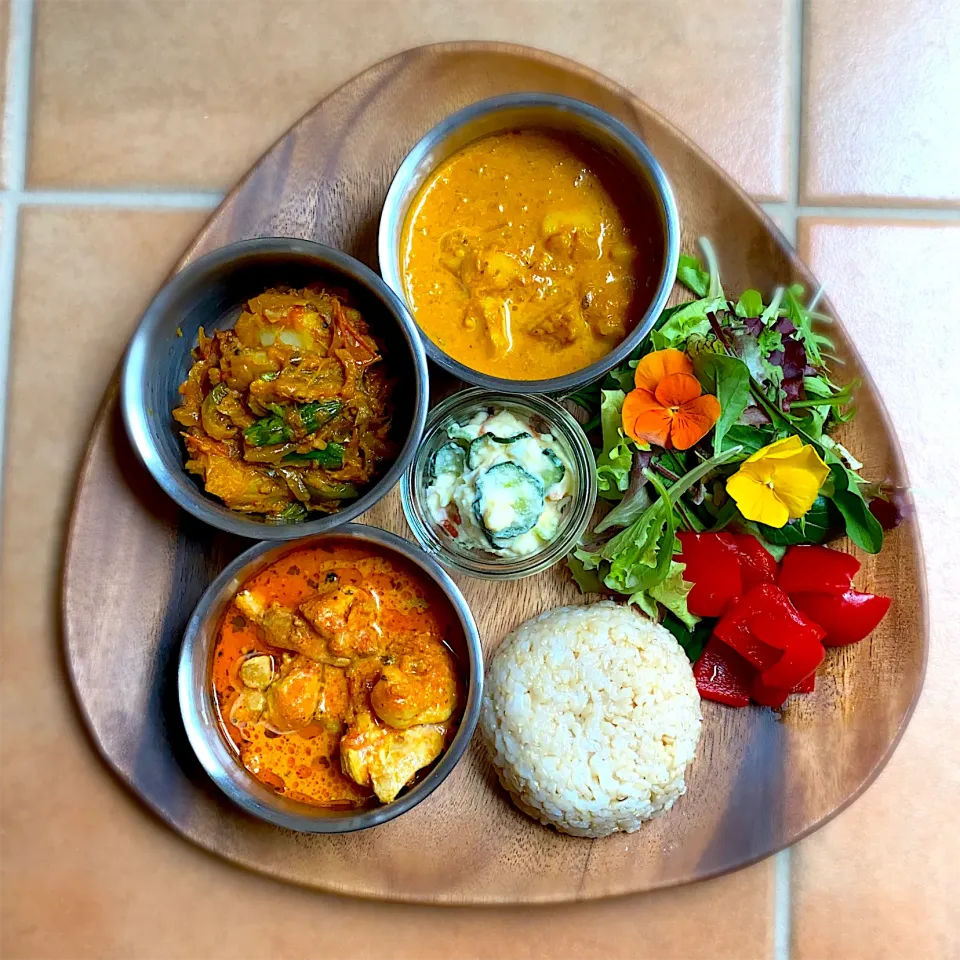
[{"x": 135, "y": 566}]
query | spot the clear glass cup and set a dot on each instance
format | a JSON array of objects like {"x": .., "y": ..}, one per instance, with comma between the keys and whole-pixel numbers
[{"x": 545, "y": 416}]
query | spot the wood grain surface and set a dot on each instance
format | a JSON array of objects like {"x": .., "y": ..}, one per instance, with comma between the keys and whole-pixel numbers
[{"x": 135, "y": 566}]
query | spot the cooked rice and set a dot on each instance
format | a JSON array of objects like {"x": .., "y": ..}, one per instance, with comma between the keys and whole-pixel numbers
[{"x": 591, "y": 715}]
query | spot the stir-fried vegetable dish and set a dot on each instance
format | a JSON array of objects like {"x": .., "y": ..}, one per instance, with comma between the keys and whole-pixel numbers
[
  {"x": 332, "y": 675},
  {"x": 289, "y": 411}
]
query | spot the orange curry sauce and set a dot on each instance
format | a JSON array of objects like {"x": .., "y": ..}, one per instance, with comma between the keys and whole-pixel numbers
[{"x": 304, "y": 765}]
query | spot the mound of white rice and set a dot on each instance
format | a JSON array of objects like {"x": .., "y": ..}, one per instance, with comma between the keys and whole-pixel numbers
[{"x": 591, "y": 715}]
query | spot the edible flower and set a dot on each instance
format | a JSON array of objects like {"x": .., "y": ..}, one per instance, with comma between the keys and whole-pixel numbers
[
  {"x": 668, "y": 407},
  {"x": 779, "y": 482}
]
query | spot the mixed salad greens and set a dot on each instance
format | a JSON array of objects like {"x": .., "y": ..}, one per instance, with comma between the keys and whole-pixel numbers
[{"x": 746, "y": 447}]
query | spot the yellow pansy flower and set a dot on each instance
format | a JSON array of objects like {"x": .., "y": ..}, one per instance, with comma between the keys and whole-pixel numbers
[{"x": 779, "y": 482}]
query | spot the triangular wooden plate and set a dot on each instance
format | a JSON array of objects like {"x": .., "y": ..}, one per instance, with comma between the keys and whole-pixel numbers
[{"x": 135, "y": 567}]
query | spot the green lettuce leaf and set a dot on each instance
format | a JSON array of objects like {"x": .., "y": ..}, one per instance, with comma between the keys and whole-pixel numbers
[
  {"x": 750, "y": 304},
  {"x": 690, "y": 320},
  {"x": 640, "y": 555},
  {"x": 815, "y": 526},
  {"x": 646, "y": 603},
  {"x": 862, "y": 526},
  {"x": 634, "y": 502},
  {"x": 803, "y": 319},
  {"x": 672, "y": 592},
  {"x": 750, "y": 439},
  {"x": 692, "y": 275},
  {"x": 728, "y": 379},
  {"x": 616, "y": 457},
  {"x": 769, "y": 340},
  {"x": 587, "y": 580}
]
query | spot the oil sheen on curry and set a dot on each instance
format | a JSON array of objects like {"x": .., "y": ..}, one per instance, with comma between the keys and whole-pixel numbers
[
  {"x": 529, "y": 255},
  {"x": 333, "y": 676}
]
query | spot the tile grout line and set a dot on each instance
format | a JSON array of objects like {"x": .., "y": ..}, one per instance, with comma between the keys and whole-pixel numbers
[
  {"x": 878, "y": 213},
  {"x": 782, "y": 904},
  {"x": 16, "y": 107},
  {"x": 782, "y": 875},
  {"x": 131, "y": 199},
  {"x": 16, "y": 112}
]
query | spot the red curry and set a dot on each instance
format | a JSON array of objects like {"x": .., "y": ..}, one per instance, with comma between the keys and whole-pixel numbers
[{"x": 334, "y": 677}]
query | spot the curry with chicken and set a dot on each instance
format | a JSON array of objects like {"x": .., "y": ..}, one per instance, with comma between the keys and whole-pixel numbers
[
  {"x": 333, "y": 675},
  {"x": 529, "y": 255},
  {"x": 289, "y": 411}
]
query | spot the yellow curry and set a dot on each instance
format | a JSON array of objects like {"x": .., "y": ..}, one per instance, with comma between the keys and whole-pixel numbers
[
  {"x": 332, "y": 675},
  {"x": 529, "y": 255}
]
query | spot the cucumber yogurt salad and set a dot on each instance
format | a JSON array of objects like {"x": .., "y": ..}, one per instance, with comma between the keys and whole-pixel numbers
[{"x": 498, "y": 486}]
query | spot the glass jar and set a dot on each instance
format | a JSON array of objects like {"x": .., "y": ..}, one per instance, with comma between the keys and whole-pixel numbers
[{"x": 545, "y": 416}]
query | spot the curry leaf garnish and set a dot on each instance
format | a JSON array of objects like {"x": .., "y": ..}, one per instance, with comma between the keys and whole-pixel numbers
[
  {"x": 314, "y": 415},
  {"x": 330, "y": 457},
  {"x": 267, "y": 431},
  {"x": 294, "y": 512}
]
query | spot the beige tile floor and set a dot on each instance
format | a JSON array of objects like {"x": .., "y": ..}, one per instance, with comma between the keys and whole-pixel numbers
[{"x": 839, "y": 114}]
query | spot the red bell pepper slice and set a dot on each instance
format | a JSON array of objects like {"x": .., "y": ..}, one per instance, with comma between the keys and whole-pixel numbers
[
  {"x": 756, "y": 563},
  {"x": 713, "y": 567},
  {"x": 733, "y": 629},
  {"x": 814, "y": 569},
  {"x": 799, "y": 660},
  {"x": 847, "y": 618},
  {"x": 723, "y": 675},
  {"x": 768, "y": 631},
  {"x": 775, "y": 696}
]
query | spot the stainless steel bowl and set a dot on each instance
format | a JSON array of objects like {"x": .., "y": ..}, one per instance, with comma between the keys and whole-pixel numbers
[
  {"x": 210, "y": 293},
  {"x": 525, "y": 111},
  {"x": 199, "y": 710}
]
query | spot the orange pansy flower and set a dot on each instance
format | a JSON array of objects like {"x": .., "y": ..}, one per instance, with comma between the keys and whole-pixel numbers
[{"x": 668, "y": 407}]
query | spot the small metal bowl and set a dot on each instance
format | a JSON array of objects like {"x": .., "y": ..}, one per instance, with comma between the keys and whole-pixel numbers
[
  {"x": 210, "y": 293},
  {"x": 532, "y": 111},
  {"x": 199, "y": 710}
]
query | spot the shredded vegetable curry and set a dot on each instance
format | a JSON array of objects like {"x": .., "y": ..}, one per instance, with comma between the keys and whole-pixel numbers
[
  {"x": 333, "y": 676},
  {"x": 289, "y": 411}
]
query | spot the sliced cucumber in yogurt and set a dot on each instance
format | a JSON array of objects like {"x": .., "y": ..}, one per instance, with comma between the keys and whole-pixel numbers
[
  {"x": 552, "y": 471},
  {"x": 449, "y": 459},
  {"x": 509, "y": 502},
  {"x": 485, "y": 445}
]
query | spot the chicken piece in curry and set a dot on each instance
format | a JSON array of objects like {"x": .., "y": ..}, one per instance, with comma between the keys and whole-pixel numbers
[
  {"x": 289, "y": 411},
  {"x": 530, "y": 254},
  {"x": 334, "y": 677}
]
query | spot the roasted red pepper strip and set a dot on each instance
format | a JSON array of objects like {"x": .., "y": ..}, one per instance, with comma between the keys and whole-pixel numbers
[
  {"x": 799, "y": 660},
  {"x": 733, "y": 629},
  {"x": 847, "y": 618},
  {"x": 775, "y": 696},
  {"x": 813, "y": 569},
  {"x": 756, "y": 563},
  {"x": 713, "y": 567},
  {"x": 766, "y": 629},
  {"x": 723, "y": 675}
]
